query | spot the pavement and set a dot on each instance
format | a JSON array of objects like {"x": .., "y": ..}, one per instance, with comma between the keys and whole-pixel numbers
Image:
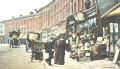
[{"x": 73, "y": 64}]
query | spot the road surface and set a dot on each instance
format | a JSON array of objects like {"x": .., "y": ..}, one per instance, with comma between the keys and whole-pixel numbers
[{"x": 17, "y": 58}]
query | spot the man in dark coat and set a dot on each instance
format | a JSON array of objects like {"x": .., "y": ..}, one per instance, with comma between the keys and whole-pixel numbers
[{"x": 50, "y": 51}]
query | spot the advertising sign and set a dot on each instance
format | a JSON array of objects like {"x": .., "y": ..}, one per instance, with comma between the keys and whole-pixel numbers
[{"x": 44, "y": 37}]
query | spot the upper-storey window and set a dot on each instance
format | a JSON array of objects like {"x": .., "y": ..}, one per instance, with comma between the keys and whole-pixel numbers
[
  {"x": 87, "y": 4},
  {"x": 74, "y": 6}
]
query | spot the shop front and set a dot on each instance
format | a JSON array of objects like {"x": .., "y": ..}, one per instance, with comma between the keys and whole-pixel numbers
[
  {"x": 110, "y": 21},
  {"x": 79, "y": 30}
]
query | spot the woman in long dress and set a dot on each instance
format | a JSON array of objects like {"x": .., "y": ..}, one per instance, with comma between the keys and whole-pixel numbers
[{"x": 56, "y": 49}]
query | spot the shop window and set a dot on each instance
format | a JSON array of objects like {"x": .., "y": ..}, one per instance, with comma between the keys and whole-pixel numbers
[
  {"x": 91, "y": 21},
  {"x": 78, "y": 5},
  {"x": 80, "y": 27}
]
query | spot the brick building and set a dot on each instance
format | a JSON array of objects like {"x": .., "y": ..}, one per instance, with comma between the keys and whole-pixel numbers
[{"x": 51, "y": 17}]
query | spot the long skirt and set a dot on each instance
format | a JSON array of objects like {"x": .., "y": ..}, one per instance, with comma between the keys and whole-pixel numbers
[
  {"x": 56, "y": 57},
  {"x": 61, "y": 60}
]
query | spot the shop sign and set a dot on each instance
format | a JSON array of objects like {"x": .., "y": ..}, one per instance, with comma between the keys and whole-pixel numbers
[
  {"x": 44, "y": 37},
  {"x": 79, "y": 16}
]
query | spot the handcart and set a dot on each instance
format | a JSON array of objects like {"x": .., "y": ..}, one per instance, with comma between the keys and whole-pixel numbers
[{"x": 37, "y": 53}]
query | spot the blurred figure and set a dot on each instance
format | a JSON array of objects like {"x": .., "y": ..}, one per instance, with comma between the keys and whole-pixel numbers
[
  {"x": 46, "y": 46},
  {"x": 60, "y": 47},
  {"x": 50, "y": 51},
  {"x": 56, "y": 49}
]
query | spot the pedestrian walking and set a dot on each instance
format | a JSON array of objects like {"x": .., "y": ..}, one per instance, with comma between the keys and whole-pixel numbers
[{"x": 50, "y": 51}]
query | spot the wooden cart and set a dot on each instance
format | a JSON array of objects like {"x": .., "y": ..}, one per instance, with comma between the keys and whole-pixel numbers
[{"x": 37, "y": 53}]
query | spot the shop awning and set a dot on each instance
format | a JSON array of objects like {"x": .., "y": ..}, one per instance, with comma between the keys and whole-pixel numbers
[
  {"x": 60, "y": 29},
  {"x": 115, "y": 12},
  {"x": 110, "y": 11}
]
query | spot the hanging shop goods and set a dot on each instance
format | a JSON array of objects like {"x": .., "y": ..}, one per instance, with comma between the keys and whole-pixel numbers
[{"x": 86, "y": 40}]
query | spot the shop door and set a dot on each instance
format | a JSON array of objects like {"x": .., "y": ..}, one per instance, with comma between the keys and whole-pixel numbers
[{"x": 113, "y": 36}]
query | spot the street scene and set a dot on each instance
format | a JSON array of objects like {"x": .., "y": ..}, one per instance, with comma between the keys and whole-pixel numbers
[{"x": 55, "y": 34}]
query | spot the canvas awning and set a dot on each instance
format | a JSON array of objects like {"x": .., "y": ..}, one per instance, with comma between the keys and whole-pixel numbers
[
  {"x": 115, "y": 12},
  {"x": 60, "y": 29},
  {"x": 110, "y": 11}
]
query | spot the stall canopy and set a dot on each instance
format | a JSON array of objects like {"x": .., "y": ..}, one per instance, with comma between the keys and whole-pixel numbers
[{"x": 60, "y": 29}]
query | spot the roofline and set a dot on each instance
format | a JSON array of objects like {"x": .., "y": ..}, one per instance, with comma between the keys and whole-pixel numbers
[
  {"x": 46, "y": 6},
  {"x": 30, "y": 15},
  {"x": 21, "y": 17}
]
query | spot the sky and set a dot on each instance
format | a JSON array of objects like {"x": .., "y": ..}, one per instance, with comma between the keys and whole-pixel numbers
[{"x": 14, "y": 8}]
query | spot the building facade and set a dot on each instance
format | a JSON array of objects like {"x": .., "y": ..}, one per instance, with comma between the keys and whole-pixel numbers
[
  {"x": 24, "y": 23},
  {"x": 2, "y": 29}
]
